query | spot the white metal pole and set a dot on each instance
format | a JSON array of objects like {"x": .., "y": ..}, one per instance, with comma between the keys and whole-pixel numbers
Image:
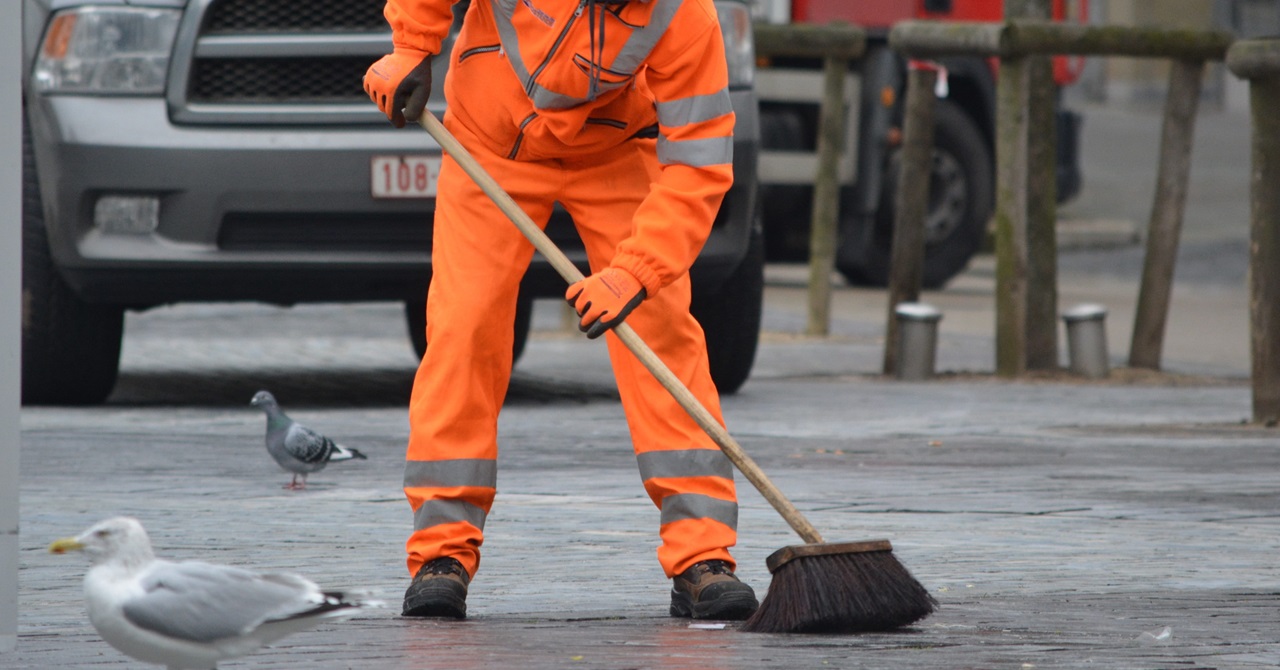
[{"x": 10, "y": 312}]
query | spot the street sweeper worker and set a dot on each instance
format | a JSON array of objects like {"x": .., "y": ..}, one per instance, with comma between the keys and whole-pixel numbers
[{"x": 618, "y": 110}]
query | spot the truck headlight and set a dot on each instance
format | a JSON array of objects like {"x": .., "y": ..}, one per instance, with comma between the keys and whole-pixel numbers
[
  {"x": 111, "y": 50},
  {"x": 739, "y": 43}
]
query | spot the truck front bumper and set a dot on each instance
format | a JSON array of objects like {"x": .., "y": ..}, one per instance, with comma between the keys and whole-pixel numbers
[{"x": 280, "y": 214}]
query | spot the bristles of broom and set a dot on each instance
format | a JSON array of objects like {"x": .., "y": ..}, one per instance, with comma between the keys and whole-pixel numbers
[{"x": 841, "y": 593}]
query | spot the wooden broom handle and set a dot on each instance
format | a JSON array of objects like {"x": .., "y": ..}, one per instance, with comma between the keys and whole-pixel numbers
[{"x": 625, "y": 332}]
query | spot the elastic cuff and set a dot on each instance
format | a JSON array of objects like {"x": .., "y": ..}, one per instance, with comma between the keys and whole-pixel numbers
[
  {"x": 413, "y": 51},
  {"x": 421, "y": 45},
  {"x": 647, "y": 277}
]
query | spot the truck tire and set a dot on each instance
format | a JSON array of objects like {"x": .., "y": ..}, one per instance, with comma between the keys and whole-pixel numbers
[
  {"x": 70, "y": 348},
  {"x": 730, "y": 318},
  {"x": 415, "y": 313},
  {"x": 961, "y": 197}
]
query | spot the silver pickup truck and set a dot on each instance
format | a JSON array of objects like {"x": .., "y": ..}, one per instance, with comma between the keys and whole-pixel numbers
[{"x": 225, "y": 150}]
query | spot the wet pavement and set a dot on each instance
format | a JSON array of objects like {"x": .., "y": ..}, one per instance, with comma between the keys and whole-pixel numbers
[{"x": 1131, "y": 522}]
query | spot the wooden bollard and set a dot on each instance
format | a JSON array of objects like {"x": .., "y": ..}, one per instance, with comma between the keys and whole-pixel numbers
[
  {"x": 906, "y": 265},
  {"x": 1259, "y": 62},
  {"x": 836, "y": 43},
  {"x": 1173, "y": 174}
]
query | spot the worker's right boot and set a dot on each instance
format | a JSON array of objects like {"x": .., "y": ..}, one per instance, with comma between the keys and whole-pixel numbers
[
  {"x": 438, "y": 590},
  {"x": 710, "y": 590}
]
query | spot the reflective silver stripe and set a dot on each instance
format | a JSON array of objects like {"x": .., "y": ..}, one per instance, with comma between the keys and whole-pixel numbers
[
  {"x": 440, "y": 512},
  {"x": 546, "y": 99},
  {"x": 630, "y": 57},
  {"x": 695, "y": 506},
  {"x": 684, "y": 463},
  {"x": 455, "y": 472},
  {"x": 695, "y": 153},
  {"x": 642, "y": 41},
  {"x": 502, "y": 12},
  {"x": 694, "y": 109}
]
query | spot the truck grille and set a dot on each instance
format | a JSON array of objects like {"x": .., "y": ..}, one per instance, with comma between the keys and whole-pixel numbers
[
  {"x": 311, "y": 80},
  {"x": 280, "y": 61},
  {"x": 238, "y": 16}
]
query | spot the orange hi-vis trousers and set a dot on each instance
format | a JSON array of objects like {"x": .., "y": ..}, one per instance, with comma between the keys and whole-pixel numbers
[{"x": 478, "y": 260}]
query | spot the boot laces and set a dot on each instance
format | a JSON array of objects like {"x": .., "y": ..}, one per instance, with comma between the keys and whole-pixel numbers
[
  {"x": 717, "y": 567},
  {"x": 442, "y": 566}
]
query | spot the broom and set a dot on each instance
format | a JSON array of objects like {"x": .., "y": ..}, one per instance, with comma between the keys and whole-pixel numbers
[{"x": 817, "y": 587}]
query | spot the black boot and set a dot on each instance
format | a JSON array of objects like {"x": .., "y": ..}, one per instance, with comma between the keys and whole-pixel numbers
[
  {"x": 710, "y": 590},
  {"x": 438, "y": 590}
]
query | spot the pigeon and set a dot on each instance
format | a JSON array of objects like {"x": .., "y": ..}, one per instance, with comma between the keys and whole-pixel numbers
[
  {"x": 295, "y": 447},
  {"x": 191, "y": 614}
]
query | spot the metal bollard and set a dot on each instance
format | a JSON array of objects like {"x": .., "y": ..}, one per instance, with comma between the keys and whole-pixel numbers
[
  {"x": 1087, "y": 340},
  {"x": 917, "y": 339}
]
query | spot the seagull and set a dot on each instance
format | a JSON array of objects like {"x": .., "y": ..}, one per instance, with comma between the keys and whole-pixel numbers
[
  {"x": 295, "y": 447},
  {"x": 190, "y": 614}
]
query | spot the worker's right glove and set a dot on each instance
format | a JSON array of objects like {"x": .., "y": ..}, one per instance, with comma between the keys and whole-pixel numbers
[
  {"x": 604, "y": 299},
  {"x": 400, "y": 83}
]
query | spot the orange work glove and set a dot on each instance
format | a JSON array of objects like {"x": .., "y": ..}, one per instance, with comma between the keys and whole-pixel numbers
[
  {"x": 400, "y": 83},
  {"x": 604, "y": 299}
]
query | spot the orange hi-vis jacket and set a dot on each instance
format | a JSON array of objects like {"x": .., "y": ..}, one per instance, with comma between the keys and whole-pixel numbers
[{"x": 546, "y": 79}]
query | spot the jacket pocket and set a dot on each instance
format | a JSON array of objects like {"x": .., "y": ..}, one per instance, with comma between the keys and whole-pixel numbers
[
  {"x": 611, "y": 78},
  {"x": 485, "y": 96},
  {"x": 473, "y": 51}
]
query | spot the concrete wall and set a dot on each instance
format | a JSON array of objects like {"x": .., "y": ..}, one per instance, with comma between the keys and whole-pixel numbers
[{"x": 10, "y": 312}]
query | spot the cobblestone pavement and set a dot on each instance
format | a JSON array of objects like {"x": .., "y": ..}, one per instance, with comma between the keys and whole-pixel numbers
[{"x": 1061, "y": 523}]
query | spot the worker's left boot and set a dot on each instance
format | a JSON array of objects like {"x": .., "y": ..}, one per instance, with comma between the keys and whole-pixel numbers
[
  {"x": 438, "y": 590},
  {"x": 710, "y": 590}
]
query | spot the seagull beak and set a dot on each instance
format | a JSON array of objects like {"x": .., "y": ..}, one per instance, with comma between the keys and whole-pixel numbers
[{"x": 64, "y": 545}]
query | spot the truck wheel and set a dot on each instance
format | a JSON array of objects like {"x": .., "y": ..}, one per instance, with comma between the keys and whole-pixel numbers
[
  {"x": 730, "y": 319},
  {"x": 70, "y": 348},
  {"x": 961, "y": 196},
  {"x": 415, "y": 313}
]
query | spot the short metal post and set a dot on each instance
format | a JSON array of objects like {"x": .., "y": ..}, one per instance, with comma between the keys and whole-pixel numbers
[
  {"x": 1087, "y": 340},
  {"x": 917, "y": 340}
]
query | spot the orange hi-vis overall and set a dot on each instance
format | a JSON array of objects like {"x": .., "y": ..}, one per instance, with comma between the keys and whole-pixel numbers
[{"x": 620, "y": 112}]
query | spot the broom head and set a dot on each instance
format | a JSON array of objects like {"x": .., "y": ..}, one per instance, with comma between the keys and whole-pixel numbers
[{"x": 847, "y": 587}]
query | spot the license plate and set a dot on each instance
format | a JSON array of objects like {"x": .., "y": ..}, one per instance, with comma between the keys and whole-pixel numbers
[{"x": 404, "y": 176}]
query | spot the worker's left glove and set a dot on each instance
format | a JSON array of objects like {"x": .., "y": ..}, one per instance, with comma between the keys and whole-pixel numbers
[
  {"x": 604, "y": 299},
  {"x": 400, "y": 84}
]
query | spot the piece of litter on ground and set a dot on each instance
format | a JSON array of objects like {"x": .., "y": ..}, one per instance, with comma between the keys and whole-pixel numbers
[
  {"x": 1162, "y": 636},
  {"x": 707, "y": 626}
]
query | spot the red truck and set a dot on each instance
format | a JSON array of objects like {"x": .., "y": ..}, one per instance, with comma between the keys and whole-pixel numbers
[{"x": 961, "y": 192}]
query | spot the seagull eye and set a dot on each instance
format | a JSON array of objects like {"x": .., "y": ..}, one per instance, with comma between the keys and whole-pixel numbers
[{"x": 103, "y": 533}]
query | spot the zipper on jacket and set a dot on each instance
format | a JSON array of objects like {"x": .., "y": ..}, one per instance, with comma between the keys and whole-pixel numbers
[
  {"x": 615, "y": 123},
  {"x": 555, "y": 46},
  {"x": 515, "y": 149},
  {"x": 479, "y": 50}
]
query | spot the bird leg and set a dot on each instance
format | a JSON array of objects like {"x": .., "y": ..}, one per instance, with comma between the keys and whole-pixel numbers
[{"x": 295, "y": 485}]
